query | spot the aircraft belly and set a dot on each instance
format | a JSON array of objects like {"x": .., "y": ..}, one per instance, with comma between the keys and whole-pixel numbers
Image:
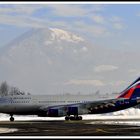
[
  {"x": 23, "y": 108},
  {"x": 19, "y": 109}
]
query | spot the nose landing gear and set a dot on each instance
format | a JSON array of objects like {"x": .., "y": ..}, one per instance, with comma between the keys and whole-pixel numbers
[{"x": 11, "y": 118}]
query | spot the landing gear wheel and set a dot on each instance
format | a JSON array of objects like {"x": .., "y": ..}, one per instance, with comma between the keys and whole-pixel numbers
[
  {"x": 76, "y": 118},
  {"x": 67, "y": 118},
  {"x": 11, "y": 119},
  {"x": 72, "y": 118},
  {"x": 79, "y": 117}
]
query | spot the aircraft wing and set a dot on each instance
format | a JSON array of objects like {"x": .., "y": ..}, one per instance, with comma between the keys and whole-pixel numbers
[
  {"x": 92, "y": 107},
  {"x": 100, "y": 106}
]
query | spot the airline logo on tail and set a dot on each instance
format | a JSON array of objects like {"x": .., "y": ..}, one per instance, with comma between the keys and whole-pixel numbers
[{"x": 132, "y": 91}]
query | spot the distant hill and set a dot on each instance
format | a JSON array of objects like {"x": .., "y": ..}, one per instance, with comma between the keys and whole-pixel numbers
[{"x": 56, "y": 61}]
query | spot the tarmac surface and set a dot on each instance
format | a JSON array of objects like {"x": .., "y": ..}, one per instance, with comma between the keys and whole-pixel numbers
[{"x": 67, "y": 128}]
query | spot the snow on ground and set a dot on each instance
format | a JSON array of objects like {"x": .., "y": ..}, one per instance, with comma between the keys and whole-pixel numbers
[
  {"x": 131, "y": 113},
  {"x": 129, "y": 116},
  {"x": 8, "y": 130},
  {"x": 134, "y": 123},
  {"x": 5, "y": 117}
]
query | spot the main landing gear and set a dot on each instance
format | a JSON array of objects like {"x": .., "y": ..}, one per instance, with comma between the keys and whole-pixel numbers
[
  {"x": 11, "y": 118},
  {"x": 73, "y": 118}
]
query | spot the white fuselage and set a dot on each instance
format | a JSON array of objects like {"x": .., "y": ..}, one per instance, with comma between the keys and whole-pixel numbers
[{"x": 30, "y": 104}]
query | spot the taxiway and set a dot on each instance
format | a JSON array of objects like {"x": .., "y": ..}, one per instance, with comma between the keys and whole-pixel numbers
[{"x": 68, "y": 128}]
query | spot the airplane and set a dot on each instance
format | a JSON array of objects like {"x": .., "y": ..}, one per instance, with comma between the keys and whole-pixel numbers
[{"x": 69, "y": 107}]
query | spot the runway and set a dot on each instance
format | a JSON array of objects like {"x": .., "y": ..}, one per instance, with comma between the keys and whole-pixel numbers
[{"x": 69, "y": 128}]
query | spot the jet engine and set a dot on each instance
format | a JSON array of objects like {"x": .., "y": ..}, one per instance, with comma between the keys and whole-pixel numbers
[
  {"x": 65, "y": 110},
  {"x": 52, "y": 112},
  {"x": 56, "y": 112},
  {"x": 77, "y": 109},
  {"x": 60, "y": 111}
]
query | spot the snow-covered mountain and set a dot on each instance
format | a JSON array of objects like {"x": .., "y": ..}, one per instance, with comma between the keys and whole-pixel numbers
[
  {"x": 42, "y": 58},
  {"x": 56, "y": 61}
]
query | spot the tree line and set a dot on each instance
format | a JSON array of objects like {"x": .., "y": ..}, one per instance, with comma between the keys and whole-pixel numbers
[{"x": 6, "y": 90}]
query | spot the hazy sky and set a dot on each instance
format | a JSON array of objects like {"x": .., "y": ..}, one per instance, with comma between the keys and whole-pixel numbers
[
  {"x": 115, "y": 24},
  {"x": 111, "y": 26}
]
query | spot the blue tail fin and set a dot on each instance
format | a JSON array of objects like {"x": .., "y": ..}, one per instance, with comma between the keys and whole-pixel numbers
[{"x": 132, "y": 91}]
